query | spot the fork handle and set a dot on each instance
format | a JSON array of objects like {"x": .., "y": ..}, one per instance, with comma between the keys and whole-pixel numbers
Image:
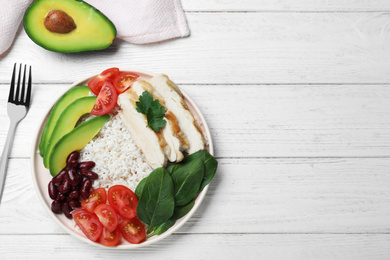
[{"x": 5, "y": 154}]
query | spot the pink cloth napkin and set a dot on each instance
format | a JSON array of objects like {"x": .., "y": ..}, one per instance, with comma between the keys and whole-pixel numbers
[{"x": 136, "y": 21}]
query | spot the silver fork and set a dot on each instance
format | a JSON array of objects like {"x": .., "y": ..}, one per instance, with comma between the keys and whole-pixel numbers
[{"x": 17, "y": 107}]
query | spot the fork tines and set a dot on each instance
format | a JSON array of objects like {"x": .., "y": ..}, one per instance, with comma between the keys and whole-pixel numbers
[{"x": 21, "y": 96}]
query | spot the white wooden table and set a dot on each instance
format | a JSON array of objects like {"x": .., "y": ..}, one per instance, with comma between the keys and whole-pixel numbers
[{"x": 297, "y": 96}]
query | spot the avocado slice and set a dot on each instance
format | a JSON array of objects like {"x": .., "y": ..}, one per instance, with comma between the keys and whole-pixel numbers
[
  {"x": 68, "y": 26},
  {"x": 70, "y": 96},
  {"x": 67, "y": 121},
  {"x": 75, "y": 140}
]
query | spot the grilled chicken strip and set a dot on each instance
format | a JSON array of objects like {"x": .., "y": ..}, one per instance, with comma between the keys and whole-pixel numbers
[
  {"x": 145, "y": 138},
  {"x": 174, "y": 102},
  {"x": 175, "y": 139}
]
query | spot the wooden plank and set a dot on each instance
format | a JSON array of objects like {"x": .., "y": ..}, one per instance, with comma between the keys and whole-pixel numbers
[
  {"x": 211, "y": 246},
  {"x": 269, "y": 120},
  {"x": 306, "y": 120},
  {"x": 285, "y": 5},
  {"x": 251, "y": 196},
  {"x": 262, "y": 48}
]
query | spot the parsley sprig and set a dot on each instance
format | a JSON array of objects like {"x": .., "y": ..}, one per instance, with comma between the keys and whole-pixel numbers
[{"x": 153, "y": 111}]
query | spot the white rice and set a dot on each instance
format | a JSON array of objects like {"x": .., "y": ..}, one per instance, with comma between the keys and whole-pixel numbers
[{"x": 118, "y": 160}]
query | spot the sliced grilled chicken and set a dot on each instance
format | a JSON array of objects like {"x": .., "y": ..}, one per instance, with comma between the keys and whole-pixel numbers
[
  {"x": 175, "y": 139},
  {"x": 145, "y": 138},
  {"x": 174, "y": 103}
]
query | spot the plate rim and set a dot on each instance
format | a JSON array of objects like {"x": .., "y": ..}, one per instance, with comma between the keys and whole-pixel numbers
[{"x": 35, "y": 152}]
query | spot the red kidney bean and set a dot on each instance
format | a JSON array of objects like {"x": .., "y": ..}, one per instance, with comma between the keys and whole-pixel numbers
[
  {"x": 80, "y": 180},
  {"x": 61, "y": 197},
  {"x": 56, "y": 207},
  {"x": 66, "y": 208},
  {"x": 89, "y": 174},
  {"x": 86, "y": 165},
  {"x": 74, "y": 195},
  {"x": 73, "y": 176},
  {"x": 65, "y": 186},
  {"x": 74, "y": 204},
  {"x": 78, "y": 187},
  {"x": 74, "y": 164},
  {"x": 85, "y": 188},
  {"x": 53, "y": 192},
  {"x": 60, "y": 177},
  {"x": 72, "y": 157}
]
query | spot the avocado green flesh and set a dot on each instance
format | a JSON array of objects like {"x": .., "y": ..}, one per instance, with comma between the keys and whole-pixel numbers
[
  {"x": 70, "y": 96},
  {"x": 94, "y": 31},
  {"x": 67, "y": 122},
  {"x": 75, "y": 140}
]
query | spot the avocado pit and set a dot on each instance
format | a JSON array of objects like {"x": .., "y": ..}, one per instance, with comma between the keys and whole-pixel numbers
[{"x": 58, "y": 21}]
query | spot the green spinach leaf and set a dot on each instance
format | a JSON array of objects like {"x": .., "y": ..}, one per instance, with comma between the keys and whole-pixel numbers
[
  {"x": 210, "y": 164},
  {"x": 173, "y": 167},
  {"x": 162, "y": 227},
  {"x": 181, "y": 211},
  {"x": 167, "y": 195},
  {"x": 186, "y": 181},
  {"x": 156, "y": 203},
  {"x": 140, "y": 187}
]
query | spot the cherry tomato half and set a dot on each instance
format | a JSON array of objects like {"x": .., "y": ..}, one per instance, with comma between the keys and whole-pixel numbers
[
  {"x": 88, "y": 223},
  {"x": 96, "y": 197},
  {"x": 96, "y": 83},
  {"x": 106, "y": 99},
  {"x": 132, "y": 230},
  {"x": 124, "y": 81},
  {"x": 109, "y": 238},
  {"x": 123, "y": 200},
  {"x": 107, "y": 216}
]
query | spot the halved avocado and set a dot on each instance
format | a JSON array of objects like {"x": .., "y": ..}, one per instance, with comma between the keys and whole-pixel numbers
[
  {"x": 75, "y": 140},
  {"x": 67, "y": 122},
  {"x": 70, "y": 96},
  {"x": 68, "y": 26}
]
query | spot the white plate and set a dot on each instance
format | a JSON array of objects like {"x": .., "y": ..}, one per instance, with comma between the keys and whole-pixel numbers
[{"x": 41, "y": 175}]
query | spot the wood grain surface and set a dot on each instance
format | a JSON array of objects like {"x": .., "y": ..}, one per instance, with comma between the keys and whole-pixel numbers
[
  {"x": 286, "y": 5},
  {"x": 238, "y": 48},
  {"x": 296, "y": 95}
]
